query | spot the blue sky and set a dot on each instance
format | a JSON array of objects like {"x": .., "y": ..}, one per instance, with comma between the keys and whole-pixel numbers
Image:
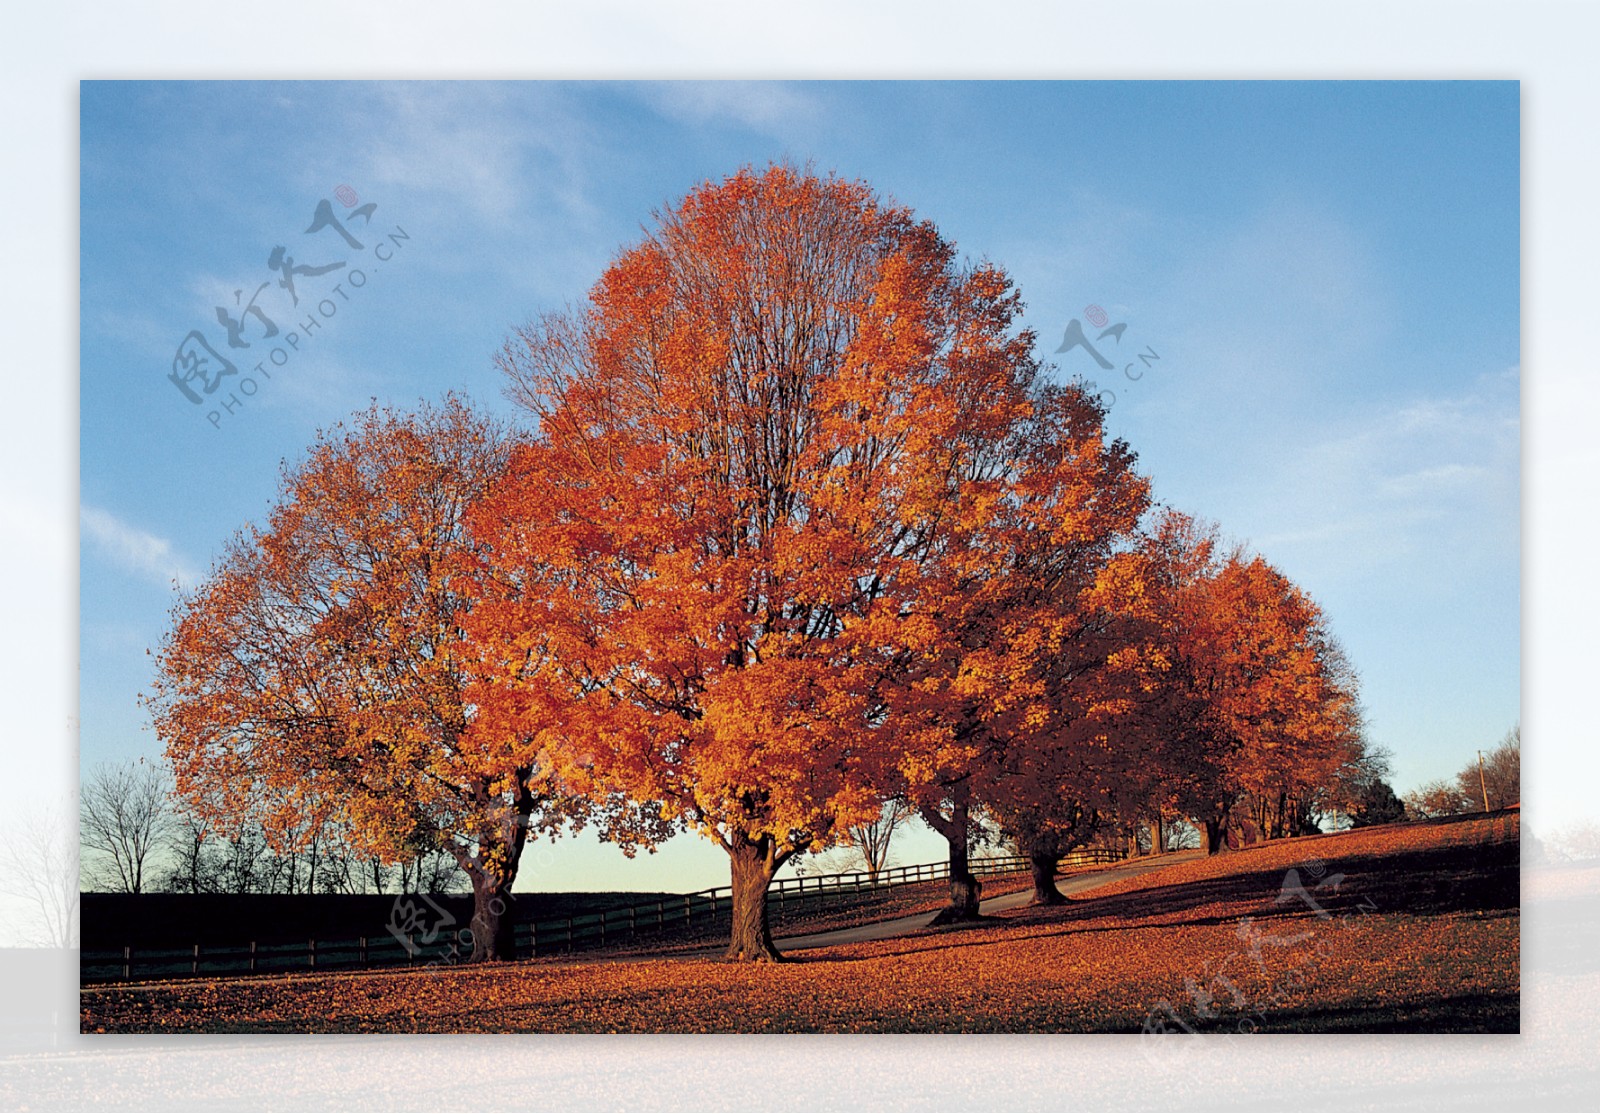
[{"x": 1329, "y": 272}]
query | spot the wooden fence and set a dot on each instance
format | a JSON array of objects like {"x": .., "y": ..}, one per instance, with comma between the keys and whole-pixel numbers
[{"x": 421, "y": 933}]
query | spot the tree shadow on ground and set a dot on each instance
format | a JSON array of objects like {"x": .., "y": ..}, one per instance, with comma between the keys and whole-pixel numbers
[
  {"x": 1479, "y": 879},
  {"x": 1425, "y": 882}
]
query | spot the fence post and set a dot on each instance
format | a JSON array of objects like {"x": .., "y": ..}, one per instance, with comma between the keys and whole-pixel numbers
[
  {"x": 194, "y": 966},
  {"x": 633, "y": 922},
  {"x": 363, "y": 951},
  {"x": 569, "y": 934},
  {"x": 311, "y": 948},
  {"x": 252, "y": 957},
  {"x": 411, "y": 948},
  {"x": 688, "y": 910},
  {"x": 661, "y": 913},
  {"x": 127, "y": 963},
  {"x": 533, "y": 939}
]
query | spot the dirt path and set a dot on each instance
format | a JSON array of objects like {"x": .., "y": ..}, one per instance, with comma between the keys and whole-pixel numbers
[{"x": 900, "y": 926}]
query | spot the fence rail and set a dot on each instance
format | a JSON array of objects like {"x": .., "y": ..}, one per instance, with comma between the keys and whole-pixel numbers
[{"x": 413, "y": 938}]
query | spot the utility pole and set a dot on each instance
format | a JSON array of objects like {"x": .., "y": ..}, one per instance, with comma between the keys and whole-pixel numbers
[{"x": 1481, "y": 785}]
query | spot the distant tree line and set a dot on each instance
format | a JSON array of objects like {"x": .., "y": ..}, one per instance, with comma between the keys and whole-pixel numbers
[
  {"x": 1496, "y": 784},
  {"x": 135, "y": 837}
]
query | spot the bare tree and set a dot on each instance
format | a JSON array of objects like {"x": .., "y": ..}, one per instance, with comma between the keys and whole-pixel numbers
[
  {"x": 124, "y": 816},
  {"x": 1178, "y": 834},
  {"x": 245, "y": 865},
  {"x": 1577, "y": 842},
  {"x": 432, "y": 871},
  {"x": 871, "y": 841},
  {"x": 39, "y": 871},
  {"x": 193, "y": 866}
]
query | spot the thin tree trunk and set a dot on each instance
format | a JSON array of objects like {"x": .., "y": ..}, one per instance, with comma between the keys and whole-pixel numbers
[
  {"x": 753, "y": 864},
  {"x": 1043, "y": 867},
  {"x": 1158, "y": 843},
  {"x": 1216, "y": 833},
  {"x": 965, "y": 889}
]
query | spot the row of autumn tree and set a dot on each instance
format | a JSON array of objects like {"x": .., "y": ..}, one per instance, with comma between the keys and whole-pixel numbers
[{"x": 800, "y": 527}]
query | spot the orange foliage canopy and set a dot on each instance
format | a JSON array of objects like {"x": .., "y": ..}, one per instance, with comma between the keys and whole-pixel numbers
[
  {"x": 799, "y": 530},
  {"x": 775, "y": 416},
  {"x": 1261, "y": 704},
  {"x": 1015, "y": 701},
  {"x": 319, "y": 670}
]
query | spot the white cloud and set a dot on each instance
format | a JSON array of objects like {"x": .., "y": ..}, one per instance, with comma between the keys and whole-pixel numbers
[{"x": 136, "y": 550}]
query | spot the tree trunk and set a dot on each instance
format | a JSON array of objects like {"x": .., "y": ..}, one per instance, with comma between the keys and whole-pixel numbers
[
  {"x": 753, "y": 864},
  {"x": 965, "y": 889},
  {"x": 1158, "y": 843},
  {"x": 494, "y": 925},
  {"x": 1216, "y": 832},
  {"x": 1043, "y": 867},
  {"x": 492, "y": 870}
]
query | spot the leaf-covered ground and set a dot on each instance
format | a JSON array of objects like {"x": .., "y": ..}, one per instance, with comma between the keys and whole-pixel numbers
[{"x": 1411, "y": 927}]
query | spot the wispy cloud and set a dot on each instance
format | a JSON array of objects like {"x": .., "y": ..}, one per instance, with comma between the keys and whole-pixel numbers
[
  {"x": 136, "y": 550},
  {"x": 1287, "y": 301},
  {"x": 1438, "y": 476},
  {"x": 494, "y": 150},
  {"x": 762, "y": 106}
]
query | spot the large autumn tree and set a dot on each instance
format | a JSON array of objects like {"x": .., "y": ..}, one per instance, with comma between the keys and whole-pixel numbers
[
  {"x": 1009, "y": 701},
  {"x": 317, "y": 679},
  {"x": 1084, "y": 762},
  {"x": 753, "y": 442}
]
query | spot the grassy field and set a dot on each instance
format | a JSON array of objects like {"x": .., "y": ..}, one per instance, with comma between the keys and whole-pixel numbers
[{"x": 1403, "y": 928}]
